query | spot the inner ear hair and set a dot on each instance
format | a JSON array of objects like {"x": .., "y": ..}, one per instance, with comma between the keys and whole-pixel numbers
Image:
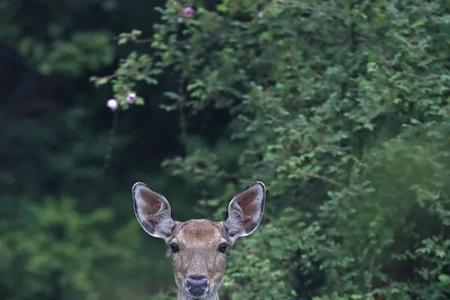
[
  {"x": 245, "y": 211},
  {"x": 152, "y": 211}
]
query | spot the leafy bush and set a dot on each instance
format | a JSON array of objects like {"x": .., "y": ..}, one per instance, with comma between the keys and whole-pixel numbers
[
  {"x": 342, "y": 108},
  {"x": 55, "y": 252}
]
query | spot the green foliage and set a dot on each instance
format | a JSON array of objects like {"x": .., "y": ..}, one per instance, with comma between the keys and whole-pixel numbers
[
  {"x": 134, "y": 68},
  {"x": 53, "y": 41},
  {"x": 55, "y": 251},
  {"x": 83, "y": 51},
  {"x": 270, "y": 252},
  {"x": 342, "y": 109}
]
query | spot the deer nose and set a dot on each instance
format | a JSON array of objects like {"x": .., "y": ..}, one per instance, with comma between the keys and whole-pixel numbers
[{"x": 196, "y": 285}]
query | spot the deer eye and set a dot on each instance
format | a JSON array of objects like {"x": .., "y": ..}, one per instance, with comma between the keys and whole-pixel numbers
[
  {"x": 223, "y": 247},
  {"x": 174, "y": 247}
]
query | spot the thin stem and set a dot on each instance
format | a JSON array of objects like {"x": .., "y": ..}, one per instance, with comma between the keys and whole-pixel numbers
[
  {"x": 181, "y": 116},
  {"x": 111, "y": 141}
]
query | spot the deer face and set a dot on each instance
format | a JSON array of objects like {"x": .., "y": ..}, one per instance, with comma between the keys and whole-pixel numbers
[
  {"x": 198, "y": 256},
  {"x": 199, "y": 247}
]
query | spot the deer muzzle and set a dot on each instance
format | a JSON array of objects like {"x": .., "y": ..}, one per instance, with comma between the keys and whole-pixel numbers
[{"x": 196, "y": 285}]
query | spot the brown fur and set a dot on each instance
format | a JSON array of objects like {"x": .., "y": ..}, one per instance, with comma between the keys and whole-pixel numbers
[{"x": 198, "y": 241}]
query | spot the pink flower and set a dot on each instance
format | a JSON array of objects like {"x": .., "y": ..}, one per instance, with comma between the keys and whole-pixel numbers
[
  {"x": 188, "y": 11},
  {"x": 131, "y": 97},
  {"x": 112, "y": 104}
]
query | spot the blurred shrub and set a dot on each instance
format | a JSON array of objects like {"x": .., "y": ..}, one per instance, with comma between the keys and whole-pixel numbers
[
  {"x": 55, "y": 251},
  {"x": 342, "y": 108},
  {"x": 82, "y": 52},
  {"x": 52, "y": 36}
]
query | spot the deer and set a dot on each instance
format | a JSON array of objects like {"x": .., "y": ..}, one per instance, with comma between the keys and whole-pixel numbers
[{"x": 198, "y": 247}]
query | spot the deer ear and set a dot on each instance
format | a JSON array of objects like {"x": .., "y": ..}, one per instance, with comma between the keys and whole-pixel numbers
[
  {"x": 245, "y": 211},
  {"x": 152, "y": 211}
]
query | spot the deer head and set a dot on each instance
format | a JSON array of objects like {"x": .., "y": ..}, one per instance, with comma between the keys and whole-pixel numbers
[{"x": 199, "y": 247}]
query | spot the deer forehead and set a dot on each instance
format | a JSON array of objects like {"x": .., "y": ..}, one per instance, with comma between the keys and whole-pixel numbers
[{"x": 199, "y": 233}]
